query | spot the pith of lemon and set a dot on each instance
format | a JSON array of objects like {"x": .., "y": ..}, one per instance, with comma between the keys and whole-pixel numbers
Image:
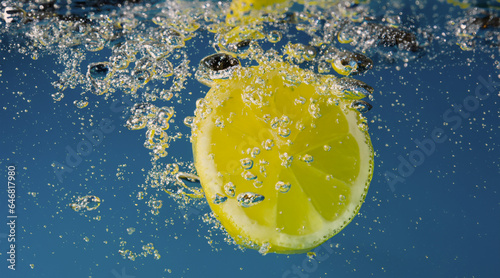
[{"x": 285, "y": 164}]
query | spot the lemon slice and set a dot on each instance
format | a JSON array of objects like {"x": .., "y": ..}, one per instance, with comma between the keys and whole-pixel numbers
[
  {"x": 251, "y": 11},
  {"x": 284, "y": 164}
]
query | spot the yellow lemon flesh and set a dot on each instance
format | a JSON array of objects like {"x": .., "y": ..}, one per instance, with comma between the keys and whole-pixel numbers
[
  {"x": 240, "y": 9},
  {"x": 284, "y": 165}
]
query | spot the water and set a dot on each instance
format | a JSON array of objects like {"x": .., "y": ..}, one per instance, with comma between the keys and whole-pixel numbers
[{"x": 94, "y": 103}]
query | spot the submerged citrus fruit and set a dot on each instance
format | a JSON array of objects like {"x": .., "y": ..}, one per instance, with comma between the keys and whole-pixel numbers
[{"x": 284, "y": 162}]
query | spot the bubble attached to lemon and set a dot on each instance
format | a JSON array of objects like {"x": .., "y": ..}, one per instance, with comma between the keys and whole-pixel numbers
[{"x": 284, "y": 162}]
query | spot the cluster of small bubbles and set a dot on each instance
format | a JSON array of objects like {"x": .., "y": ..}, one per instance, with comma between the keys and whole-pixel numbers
[
  {"x": 478, "y": 25},
  {"x": 286, "y": 159},
  {"x": 262, "y": 167},
  {"x": 147, "y": 250},
  {"x": 201, "y": 111},
  {"x": 81, "y": 103},
  {"x": 299, "y": 53},
  {"x": 130, "y": 230},
  {"x": 219, "y": 123},
  {"x": 88, "y": 203},
  {"x": 300, "y": 100},
  {"x": 282, "y": 187},
  {"x": 300, "y": 126},
  {"x": 327, "y": 148},
  {"x": 155, "y": 206},
  {"x": 176, "y": 183},
  {"x": 264, "y": 248},
  {"x": 157, "y": 122},
  {"x": 33, "y": 194},
  {"x": 58, "y": 96},
  {"x": 369, "y": 35},
  {"x": 140, "y": 195},
  {"x": 314, "y": 109},
  {"x": 120, "y": 171},
  {"x": 127, "y": 254},
  {"x": 249, "y": 199}
]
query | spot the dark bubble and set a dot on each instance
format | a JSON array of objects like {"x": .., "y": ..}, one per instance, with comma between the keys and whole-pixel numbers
[
  {"x": 219, "y": 61},
  {"x": 361, "y": 105},
  {"x": 390, "y": 36},
  {"x": 290, "y": 17},
  {"x": 488, "y": 21},
  {"x": 98, "y": 71},
  {"x": 355, "y": 88},
  {"x": 348, "y": 58},
  {"x": 364, "y": 63},
  {"x": 240, "y": 47}
]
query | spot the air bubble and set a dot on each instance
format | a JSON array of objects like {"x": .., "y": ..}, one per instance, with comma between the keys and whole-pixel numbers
[
  {"x": 98, "y": 71},
  {"x": 246, "y": 163},
  {"x": 309, "y": 53},
  {"x": 257, "y": 184},
  {"x": 216, "y": 66},
  {"x": 307, "y": 158},
  {"x": 286, "y": 160},
  {"x": 230, "y": 189},
  {"x": 311, "y": 255},
  {"x": 275, "y": 123},
  {"x": 249, "y": 176},
  {"x": 348, "y": 63},
  {"x": 353, "y": 88},
  {"x": 264, "y": 249},
  {"x": 268, "y": 144},
  {"x": 88, "y": 203},
  {"x": 58, "y": 96},
  {"x": 300, "y": 100},
  {"x": 189, "y": 121},
  {"x": 282, "y": 187},
  {"x": 249, "y": 199},
  {"x": 218, "y": 199},
  {"x": 255, "y": 151},
  {"x": 361, "y": 106},
  {"x": 284, "y": 132},
  {"x": 274, "y": 36}
]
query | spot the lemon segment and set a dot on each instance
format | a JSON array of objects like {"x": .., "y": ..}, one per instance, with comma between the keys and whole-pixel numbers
[
  {"x": 251, "y": 11},
  {"x": 294, "y": 166}
]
